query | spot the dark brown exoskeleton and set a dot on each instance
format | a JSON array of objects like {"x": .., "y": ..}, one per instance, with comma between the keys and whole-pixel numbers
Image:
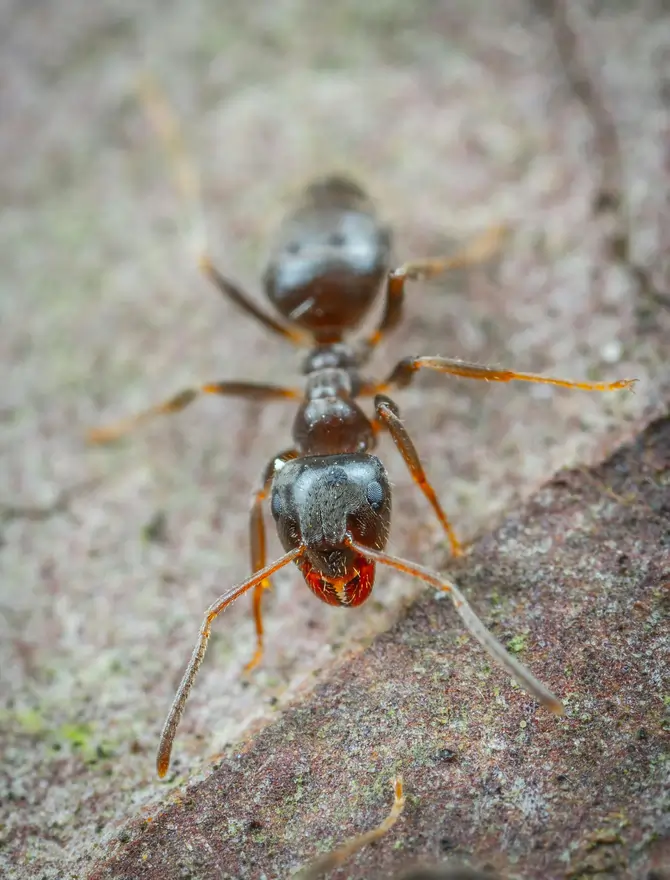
[{"x": 329, "y": 495}]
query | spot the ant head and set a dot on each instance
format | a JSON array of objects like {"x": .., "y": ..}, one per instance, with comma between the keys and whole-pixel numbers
[{"x": 319, "y": 502}]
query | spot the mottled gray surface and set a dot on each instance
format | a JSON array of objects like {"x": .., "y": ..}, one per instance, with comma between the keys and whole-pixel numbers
[
  {"x": 575, "y": 583},
  {"x": 457, "y": 116}
]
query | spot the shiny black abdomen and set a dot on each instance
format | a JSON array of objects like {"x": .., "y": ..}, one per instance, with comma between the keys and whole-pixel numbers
[{"x": 329, "y": 261}]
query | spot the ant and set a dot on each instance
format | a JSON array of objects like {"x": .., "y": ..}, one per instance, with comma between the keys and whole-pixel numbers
[{"x": 329, "y": 495}]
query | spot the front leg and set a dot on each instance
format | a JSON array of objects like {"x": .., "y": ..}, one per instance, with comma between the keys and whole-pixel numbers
[
  {"x": 387, "y": 414},
  {"x": 257, "y": 545}
]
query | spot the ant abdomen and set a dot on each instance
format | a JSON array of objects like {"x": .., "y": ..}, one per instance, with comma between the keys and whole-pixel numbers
[{"x": 329, "y": 260}]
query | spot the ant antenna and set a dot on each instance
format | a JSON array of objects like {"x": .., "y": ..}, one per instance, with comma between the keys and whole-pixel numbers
[
  {"x": 488, "y": 641},
  {"x": 177, "y": 708}
]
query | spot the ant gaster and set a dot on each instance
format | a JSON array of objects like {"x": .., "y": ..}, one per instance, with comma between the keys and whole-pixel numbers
[{"x": 329, "y": 495}]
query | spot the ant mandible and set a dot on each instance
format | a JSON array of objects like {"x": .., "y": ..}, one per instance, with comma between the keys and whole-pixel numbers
[{"x": 329, "y": 495}]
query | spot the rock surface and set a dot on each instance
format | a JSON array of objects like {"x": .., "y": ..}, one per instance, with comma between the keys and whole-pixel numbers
[{"x": 576, "y": 583}]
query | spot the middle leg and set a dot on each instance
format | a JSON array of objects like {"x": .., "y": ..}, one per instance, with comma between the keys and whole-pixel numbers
[
  {"x": 387, "y": 414},
  {"x": 406, "y": 369},
  {"x": 178, "y": 402}
]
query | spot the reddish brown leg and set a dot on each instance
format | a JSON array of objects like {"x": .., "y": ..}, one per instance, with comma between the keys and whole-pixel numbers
[
  {"x": 387, "y": 413},
  {"x": 337, "y": 857},
  {"x": 187, "y": 182},
  {"x": 247, "y": 390},
  {"x": 482, "y": 248},
  {"x": 247, "y": 305},
  {"x": 258, "y": 546},
  {"x": 405, "y": 370}
]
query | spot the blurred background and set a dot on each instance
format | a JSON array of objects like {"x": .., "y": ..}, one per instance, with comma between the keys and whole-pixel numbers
[{"x": 455, "y": 116}]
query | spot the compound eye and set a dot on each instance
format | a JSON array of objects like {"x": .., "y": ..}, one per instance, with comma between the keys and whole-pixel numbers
[
  {"x": 375, "y": 495},
  {"x": 336, "y": 239},
  {"x": 276, "y": 505}
]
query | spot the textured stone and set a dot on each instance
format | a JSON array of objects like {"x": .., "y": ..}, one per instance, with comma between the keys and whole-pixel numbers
[{"x": 457, "y": 116}]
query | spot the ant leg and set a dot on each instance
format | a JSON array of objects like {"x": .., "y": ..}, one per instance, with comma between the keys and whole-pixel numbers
[
  {"x": 248, "y": 390},
  {"x": 257, "y": 543},
  {"x": 334, "y": 859},
  {"x": 198, "y": 655},
  {"x": 187, "y": 182},
  {"x": 243, "y": 302},
  {"x": 404, "y": 372},
  {"x": 388, "y": 414},
  {"x": 479, "y": 250}
]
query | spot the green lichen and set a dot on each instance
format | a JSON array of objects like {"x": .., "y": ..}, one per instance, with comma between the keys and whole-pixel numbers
[
  {"x": 29, "y": 720},
  {"x": 517, "y": 644}
]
